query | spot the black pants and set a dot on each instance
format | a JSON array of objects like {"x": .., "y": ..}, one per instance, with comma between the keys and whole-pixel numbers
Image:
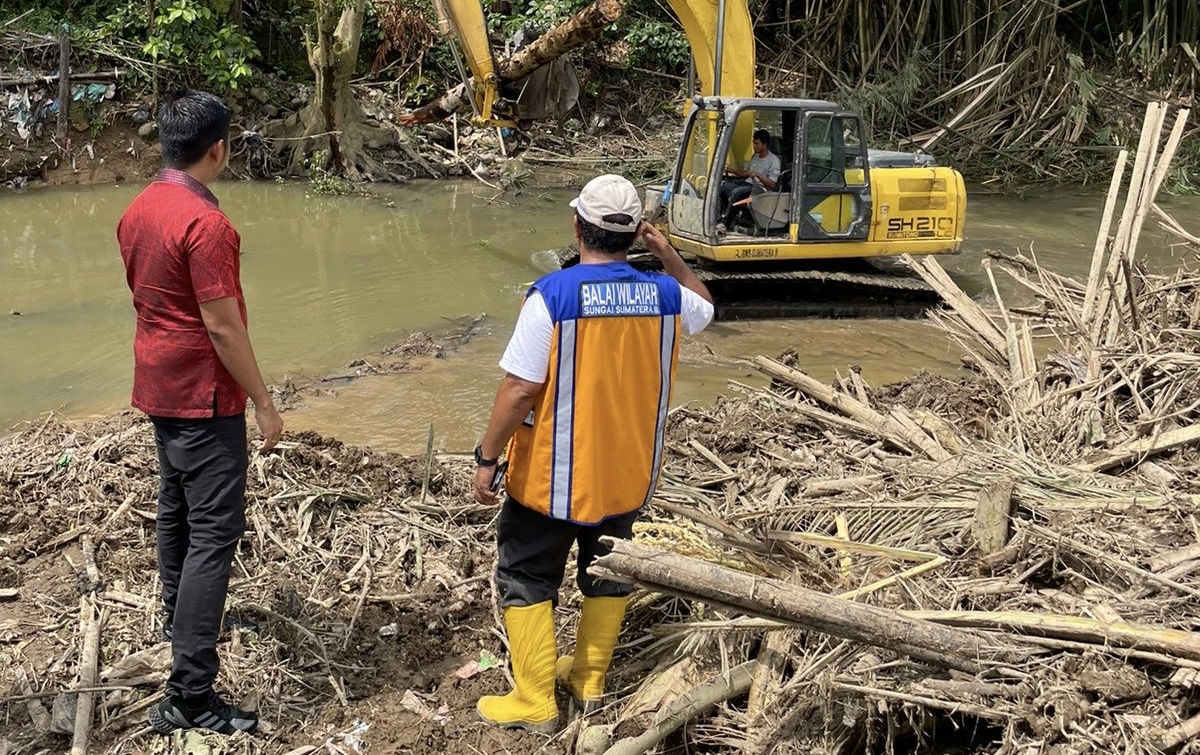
[
  {"x": 201, "y": 517},
  {"x": 733, "y": 191},
  {"x": 533, "y": 550}
]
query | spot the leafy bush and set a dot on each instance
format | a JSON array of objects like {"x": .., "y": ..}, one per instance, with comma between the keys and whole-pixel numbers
[{"x": 189, "y": 35}]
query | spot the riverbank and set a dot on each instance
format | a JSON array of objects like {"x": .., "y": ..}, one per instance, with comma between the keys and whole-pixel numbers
[{"x": 109, "y": 136}]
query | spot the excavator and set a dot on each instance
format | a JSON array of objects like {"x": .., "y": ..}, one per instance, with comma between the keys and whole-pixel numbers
[{"x": 820, "y": 241}]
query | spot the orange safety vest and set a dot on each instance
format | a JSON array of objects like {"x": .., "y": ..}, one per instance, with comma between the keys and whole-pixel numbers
[{"x": 592, "y": 446}]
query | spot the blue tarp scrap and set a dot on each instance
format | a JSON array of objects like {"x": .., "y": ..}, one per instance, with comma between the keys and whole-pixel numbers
[
  {"x": 93, "y": 92},
  {"x": 27, "y": 109}
]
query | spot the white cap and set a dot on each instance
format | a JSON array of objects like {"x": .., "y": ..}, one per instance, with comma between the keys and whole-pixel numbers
[{"x": 608, "y": 195}]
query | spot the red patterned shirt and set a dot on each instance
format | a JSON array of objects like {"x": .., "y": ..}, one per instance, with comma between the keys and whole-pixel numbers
[{"x": 180, "y": 251}]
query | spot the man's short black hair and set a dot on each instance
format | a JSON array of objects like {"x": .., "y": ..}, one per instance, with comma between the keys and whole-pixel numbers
[
  {"x": 189, "y": 123},
  {"x": 762, "y": 135},
  {"x": 601, "y": 240}
]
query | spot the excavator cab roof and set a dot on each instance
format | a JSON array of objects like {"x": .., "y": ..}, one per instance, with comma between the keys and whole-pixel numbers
[{"x": 734, "y": 104}]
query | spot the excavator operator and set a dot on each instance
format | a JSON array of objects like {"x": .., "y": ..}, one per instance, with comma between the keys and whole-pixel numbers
[{"x": 760, "y": 174}]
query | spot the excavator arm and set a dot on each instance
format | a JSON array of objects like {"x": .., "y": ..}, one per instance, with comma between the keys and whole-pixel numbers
[
  {"x": 463, "y": 19},
  {"x": 723, "y": 50}
]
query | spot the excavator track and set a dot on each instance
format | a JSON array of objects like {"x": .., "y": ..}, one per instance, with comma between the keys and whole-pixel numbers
[{"x": 853, "y": 288}]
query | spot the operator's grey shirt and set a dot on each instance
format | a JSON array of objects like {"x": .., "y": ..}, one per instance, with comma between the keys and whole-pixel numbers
[{"x": 769, "y": 166}]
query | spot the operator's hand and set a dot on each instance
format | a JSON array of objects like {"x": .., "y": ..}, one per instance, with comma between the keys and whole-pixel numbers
[
  {"x": 483, "y": 486},
  {"x": 656, "y": 242},
  {"x": 270, "y": 424}
]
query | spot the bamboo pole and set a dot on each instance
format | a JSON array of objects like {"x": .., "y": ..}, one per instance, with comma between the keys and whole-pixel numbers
[
  {"x": 886, "y": 427},
  {"x": 1172, "y": 642}
]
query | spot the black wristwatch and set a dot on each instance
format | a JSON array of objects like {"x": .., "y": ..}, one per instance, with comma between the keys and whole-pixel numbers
[{"x": 482, "y": 462}]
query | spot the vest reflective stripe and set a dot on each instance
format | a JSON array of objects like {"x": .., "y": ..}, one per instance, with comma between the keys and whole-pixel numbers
[
  {"x": 667, "y": 355},
  {"x": 564, "y": 423}
]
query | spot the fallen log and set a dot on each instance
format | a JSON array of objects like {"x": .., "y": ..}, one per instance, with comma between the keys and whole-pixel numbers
[
  {"x": 1142, "y": 448},
  {"x": 567, "y": 36},
  {"x": 938, "y": 645},
  {"x": 570, "y": 34}
]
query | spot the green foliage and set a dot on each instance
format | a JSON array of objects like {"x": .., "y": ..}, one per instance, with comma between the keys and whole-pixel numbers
[
  {"x": 656, "y": 44},
  {"x": 190, "y": 35},
  {"x": 321, "y": 180}
]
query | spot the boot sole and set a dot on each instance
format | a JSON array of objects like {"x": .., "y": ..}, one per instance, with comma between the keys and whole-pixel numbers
[{"x": 547, "y": 727}]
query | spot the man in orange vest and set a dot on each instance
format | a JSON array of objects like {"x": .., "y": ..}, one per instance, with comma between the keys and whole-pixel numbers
[{"x": 582, "y": 410}]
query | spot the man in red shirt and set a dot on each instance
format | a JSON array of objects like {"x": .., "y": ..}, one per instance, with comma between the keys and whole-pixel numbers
[{"x": 193, "y": 370}]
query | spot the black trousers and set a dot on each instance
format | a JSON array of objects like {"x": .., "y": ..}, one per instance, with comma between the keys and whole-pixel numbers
[
  {"x": 733, "y": 191},
  {"x": 533, "y": 550},
  {"x": 201, "y": 517}
]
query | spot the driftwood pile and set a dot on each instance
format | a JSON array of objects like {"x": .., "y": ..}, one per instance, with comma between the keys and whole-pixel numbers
[{"x": 1004, "y": 562}]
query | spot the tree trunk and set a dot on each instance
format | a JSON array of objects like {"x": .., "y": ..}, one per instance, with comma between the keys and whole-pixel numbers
[{"x": 332, "y": 121}]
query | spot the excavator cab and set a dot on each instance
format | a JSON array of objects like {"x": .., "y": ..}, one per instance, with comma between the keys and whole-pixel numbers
[{"x": 834, "y": 196}]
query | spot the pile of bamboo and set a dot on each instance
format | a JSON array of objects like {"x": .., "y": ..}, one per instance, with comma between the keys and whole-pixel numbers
[{"x": 1013, "y": 557}]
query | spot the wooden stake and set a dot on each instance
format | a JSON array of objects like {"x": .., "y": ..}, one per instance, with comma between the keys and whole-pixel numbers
[
  {"x": 64, "y": 84},
  {"x": 992, "y": 515}
]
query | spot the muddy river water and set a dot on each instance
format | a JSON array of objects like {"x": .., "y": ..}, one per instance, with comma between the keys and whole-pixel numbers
[{"x": 330, "y": 279}]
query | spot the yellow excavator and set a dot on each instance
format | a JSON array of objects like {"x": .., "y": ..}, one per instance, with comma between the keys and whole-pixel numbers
[{"x": 836, "y": 200}]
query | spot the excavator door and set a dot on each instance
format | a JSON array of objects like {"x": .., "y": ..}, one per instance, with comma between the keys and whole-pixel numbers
[{"x": 835, "y": 179}]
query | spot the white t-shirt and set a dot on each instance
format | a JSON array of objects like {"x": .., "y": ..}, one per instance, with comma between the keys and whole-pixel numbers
[{"x": 528, "y": 352}]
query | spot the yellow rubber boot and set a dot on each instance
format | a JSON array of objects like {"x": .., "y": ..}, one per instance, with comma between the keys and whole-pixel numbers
[
  {"x": 583, "y": 673},
  {"x": 531, "y": 704}
]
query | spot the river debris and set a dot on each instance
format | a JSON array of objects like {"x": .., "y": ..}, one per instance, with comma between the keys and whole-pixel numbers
[{"x": 1005, "y": 562}]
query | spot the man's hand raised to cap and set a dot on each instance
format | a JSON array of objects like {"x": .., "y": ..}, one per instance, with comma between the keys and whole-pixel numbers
[{"x": 656, "y": 242}]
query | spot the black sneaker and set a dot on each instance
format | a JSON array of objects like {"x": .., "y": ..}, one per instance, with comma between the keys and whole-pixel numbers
[{"x": 215, "y": 714}]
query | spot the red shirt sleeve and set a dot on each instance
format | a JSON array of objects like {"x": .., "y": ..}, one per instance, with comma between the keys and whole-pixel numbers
[{"x": 213, "y": 247}]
